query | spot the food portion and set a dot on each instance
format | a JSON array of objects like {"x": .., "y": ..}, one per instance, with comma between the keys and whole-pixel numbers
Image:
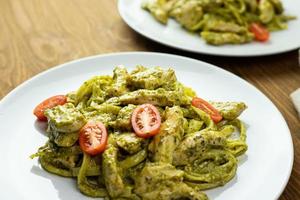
[
  {"x": 141, "y": 135},
  {"x": 222, "y": 22}
]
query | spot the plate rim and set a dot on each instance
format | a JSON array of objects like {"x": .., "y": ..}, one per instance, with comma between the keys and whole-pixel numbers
[
  {"x": 7, "y": 97},
  {"x": 155, "y": 39}
]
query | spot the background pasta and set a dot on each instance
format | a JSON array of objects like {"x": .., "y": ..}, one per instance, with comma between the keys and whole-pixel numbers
[{"x": 222, "y": 21}]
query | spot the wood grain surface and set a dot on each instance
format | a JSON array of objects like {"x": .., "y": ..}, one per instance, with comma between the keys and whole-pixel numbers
[{"x": 37, "y": 35}]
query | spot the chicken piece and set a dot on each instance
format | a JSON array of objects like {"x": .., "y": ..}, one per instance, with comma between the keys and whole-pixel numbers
[
  {"x": 206, "y": 5},
  {"x": 195, "y": 144},
  {"x": 65, "y": 118},
  {"x": 129, "y": 142},
  {"x": 229, "y": 110},
  {"x": 163, "y": 181},
  {"x": 112, "y": 174},
  {"x": 123, "y": 120},
  {"x": 156, "y": 8},
  {"x": 218, "y": 25},
  {"x": 113, "y": 181},
  {"x": 169, "y": 136},
  {"x": 105, "y": 118},
  {"x": 188, "y": 14},
  {"x": 62, "y": 139},
  {"x": 152, "y": 78},
  {"x": 159, "y": 97},
  {"x": 216, "y": 38},
  {"x": 105, "y": 113},
  {"x": 119, "y": 87}
]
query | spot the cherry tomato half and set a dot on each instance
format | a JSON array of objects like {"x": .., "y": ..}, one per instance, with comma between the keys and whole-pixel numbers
[
  {"x": 145, "y": 120},
  {"x": 206, "y": 107},
  {"x": 259, "y": 31},
  {"x": 93, "y": 138},
  {"x": 48, "y": 103}
]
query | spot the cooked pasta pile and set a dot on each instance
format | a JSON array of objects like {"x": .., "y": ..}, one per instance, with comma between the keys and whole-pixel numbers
[
  {"x": 195, "y": 149},
  {"x": 223, "y": 21}
]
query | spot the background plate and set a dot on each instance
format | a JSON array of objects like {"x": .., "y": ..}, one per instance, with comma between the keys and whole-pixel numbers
[
  {"x": 262, "y": 173},
  {"x": 175, "y": 36}
]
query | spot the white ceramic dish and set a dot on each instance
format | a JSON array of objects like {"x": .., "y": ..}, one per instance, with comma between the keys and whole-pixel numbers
[
  {"x": 262, "y": 173},
  {"x": 175, "y": 36}
]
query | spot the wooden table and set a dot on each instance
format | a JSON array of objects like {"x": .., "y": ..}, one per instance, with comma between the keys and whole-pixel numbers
[{"x": 37, "y": 35}]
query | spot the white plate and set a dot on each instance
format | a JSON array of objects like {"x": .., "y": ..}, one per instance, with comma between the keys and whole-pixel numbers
[
  {"x": 175, "y": 36},
  {"x": 262, "y": 173}
]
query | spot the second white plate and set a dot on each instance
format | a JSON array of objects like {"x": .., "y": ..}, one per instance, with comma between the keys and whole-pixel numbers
[{"x": 175, "y": 36}]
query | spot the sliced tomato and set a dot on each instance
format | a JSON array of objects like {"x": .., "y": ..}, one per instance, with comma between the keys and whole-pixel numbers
[
  {"x": 48, "y": 103},
  {"x": 93, "y": 138},
  {"x": 206, "y": 107},
  {"x": 145, "y": 120},
  {"x": 260, "y": 32}
]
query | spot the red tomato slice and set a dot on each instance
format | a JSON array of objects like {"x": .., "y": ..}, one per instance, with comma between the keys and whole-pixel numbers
[
  {"x": 93, "y": 138},
  {"x": 206, "y": 107},
  {"x": 259, "y": 31},
  {"x": 48, "y": 103},
  {"x": 145, "y": 120}
]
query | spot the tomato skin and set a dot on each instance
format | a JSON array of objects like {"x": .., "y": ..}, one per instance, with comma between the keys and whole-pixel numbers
[
  {"x": 148, "y": 111},
  {"x": 206, "y": 107},
  {"x": 93, "y": 138},
  {"x": 48, "y": 103},
  {"x": 260, "y": 32}
]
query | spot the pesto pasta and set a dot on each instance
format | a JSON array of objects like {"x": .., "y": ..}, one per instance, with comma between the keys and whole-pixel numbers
[
  {"x": 222, "y": 22},
  {"x": 192, "y": 150}
]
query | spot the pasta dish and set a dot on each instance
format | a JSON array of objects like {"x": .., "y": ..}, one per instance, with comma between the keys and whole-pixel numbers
[
  {"x": 222, "y": 22},
  {"x": 141, "y": 135}
]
